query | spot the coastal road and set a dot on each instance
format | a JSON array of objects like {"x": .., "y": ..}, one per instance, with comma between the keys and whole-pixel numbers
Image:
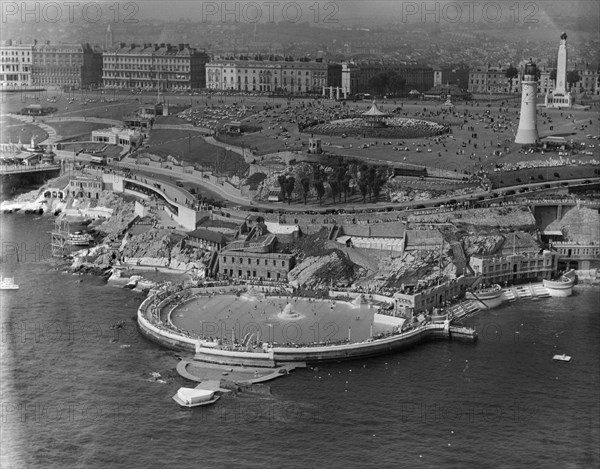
[{"x": 487, "y": 197}]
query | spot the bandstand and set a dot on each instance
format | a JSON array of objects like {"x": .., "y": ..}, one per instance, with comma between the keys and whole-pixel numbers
[{"x": 374, "y": 117}]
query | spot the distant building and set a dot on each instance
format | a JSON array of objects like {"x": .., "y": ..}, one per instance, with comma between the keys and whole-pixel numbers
[
  {"x": 451, "y": 74},
  {"x": 269, "y": 266},
  {"x": 85, "y": 187},
  {"x": 115, "y": 136},
  {"x": 488, "y": 79},
  {"x": 154, "y": 66},
  {"x": 590, "y": 81},
  {"x": 15, "y": 63},
  {"x": 578, "y": 255},
  {"x": 422, "y": 298},
  {"x": 356, "y": 77},
  {"x": 68, "y": 66},
  {"x": 515, "y": 267},
  {"x": 290, "y": 76},
  {"x": 206, "y": 239},
  {"x": 422, "y": 239}
]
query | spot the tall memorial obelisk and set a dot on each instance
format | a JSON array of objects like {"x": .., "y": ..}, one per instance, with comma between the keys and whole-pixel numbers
[
  {"x": 527, "y": 134},
  {"x": 561, "y": 67},
  {"x": 560, "y": 96}
]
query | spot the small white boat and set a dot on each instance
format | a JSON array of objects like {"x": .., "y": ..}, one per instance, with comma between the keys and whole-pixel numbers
[
  {"x": 191, "y": 397},
  {"x": 8, "y": 283},
  {"x": 80, "y": 239},
  {"x": 562, "y": 358}
]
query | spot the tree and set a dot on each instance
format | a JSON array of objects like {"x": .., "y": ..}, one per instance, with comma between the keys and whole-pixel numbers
[
  {"x": 320, "y": 188},
  {"x": 345, "y": 186},
  {"x": 553, "y": 75},
  {"x": 378, "y": 83},
  {"x": 282, "y": 180},
  {"x": 573, "y": 77},
  {"x": 396, "y": 83},
  {"x": 305, "y": 183},
  {"x": 511, "y": 73},
  {"x": 335, "y": 188},
  {"x": 289, "y": 187},
  {"x": 363, "y": 186},
  {"x": 378, "y": 181}
]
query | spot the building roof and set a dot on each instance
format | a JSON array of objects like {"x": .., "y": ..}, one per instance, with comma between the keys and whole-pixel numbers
[
  {"x": 423, "y": 238},
  {"x": 374, "y": 111},
  {"x": 208, "y": 235}
]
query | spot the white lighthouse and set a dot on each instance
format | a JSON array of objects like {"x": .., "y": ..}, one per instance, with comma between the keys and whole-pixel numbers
[{"x": 528, "y": 133}]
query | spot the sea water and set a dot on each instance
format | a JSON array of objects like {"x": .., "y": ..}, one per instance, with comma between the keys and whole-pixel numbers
[{"x": 77, "y": 391}]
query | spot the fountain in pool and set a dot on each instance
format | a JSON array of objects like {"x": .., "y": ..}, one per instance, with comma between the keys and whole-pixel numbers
[{"x": 287, "y": 313}]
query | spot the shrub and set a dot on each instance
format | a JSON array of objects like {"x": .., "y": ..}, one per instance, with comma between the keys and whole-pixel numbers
[{"x": 255, "y": 179}]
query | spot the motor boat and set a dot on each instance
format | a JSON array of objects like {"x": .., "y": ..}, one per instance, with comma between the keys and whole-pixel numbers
[
  {"x": 192, "y": 397},
  {"x": 79, "y": 238},
  {"x": 562, "y": 358}
]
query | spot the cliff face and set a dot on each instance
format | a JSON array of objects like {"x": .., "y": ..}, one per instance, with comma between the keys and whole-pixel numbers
[
  {"x": 316, "y": 272},
  {"x": 410, "y": 268},
  {"x": 484, "y": 244},
  {"x": 152, "y": 243}
]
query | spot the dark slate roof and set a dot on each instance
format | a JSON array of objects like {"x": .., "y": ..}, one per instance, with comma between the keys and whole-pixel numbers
[{"x": 208, "y": 235}]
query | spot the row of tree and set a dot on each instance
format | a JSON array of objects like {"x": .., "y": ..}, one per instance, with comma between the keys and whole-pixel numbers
[
  {"x": 342, "y": 178},
  {"x": 388, "y": 82},
  {"x": 573, "y": 76}
]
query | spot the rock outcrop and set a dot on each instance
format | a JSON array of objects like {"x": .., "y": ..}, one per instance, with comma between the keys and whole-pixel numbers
[{"x": 317, "y": 272}]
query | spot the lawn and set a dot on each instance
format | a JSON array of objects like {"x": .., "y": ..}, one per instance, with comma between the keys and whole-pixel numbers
[
  {"x": 13, "y": 130},
  {"x": 76, "y": 129},
  {"x": 192, "y": 149}
]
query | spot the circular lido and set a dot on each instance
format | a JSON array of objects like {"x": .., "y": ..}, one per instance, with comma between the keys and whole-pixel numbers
[
  {"x": 277, "y": 320},
  {"x": 242, "y": 328}
]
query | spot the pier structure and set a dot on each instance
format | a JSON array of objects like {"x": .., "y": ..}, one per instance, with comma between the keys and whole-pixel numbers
[{"x": 60, "y": 239}]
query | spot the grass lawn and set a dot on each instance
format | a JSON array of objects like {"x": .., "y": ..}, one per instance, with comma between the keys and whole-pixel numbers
[
  {"x": 13, "y": 130},
  {"x": 192, "y": 148},
  {"x": 73, "y": 129}
]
